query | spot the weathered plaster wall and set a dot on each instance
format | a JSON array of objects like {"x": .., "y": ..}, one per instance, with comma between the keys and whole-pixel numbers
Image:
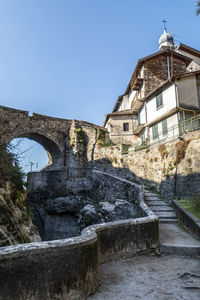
[
  {"x": 169, "y": 102},
  {"x": 117, "y": 133},
  {"x": 195, "y": 64},
  {"x": 187, "y": 92},
  {"x": 173, "y": 132}
]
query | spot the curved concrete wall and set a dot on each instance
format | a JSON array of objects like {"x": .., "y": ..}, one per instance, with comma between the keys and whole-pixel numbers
[{"x": 68, "y": 269}]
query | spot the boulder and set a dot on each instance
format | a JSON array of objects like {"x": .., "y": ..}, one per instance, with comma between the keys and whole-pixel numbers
[
  {"x": 88, "y": 210},
  {"x": 62, "y": 205},
  {"x": 107, "y": 207}
]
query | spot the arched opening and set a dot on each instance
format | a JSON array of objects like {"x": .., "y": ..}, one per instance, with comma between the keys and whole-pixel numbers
[
  {"x": 35, "y": 152},
  {"x": 30, "y": 155},
  {"x": 26, "y": 153}
]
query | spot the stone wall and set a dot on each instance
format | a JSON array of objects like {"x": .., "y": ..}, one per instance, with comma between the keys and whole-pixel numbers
[
  {"x": 173, "y": 168},
  {"x": 61, "y": 206},
  {"x": 187, "y": 219},
  {"x": 156, "y": 71},
  {"x": 110, "y": 188},
  {"x": 69, "y": 269},
  {"x": 116, "y": 128},
  {"x": 66, "y": 141}
]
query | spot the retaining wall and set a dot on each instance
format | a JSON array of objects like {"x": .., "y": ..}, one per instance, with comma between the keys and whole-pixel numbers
[
  {"x": 173, "y": 167},
  {"x": 69, "y": 269},
  {"x": 187, "y": 219}
]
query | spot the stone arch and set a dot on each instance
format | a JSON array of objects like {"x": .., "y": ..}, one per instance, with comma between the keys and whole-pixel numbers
[{"x": 52, "y": 149}]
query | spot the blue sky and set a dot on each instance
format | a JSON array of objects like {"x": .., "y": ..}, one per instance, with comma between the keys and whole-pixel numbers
[{"x": 72, "y": 58}]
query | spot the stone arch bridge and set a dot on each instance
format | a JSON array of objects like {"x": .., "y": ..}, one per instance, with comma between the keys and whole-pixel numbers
[
  {"x": 60, "y": 137},
  {"x": 69, "y": 144}
]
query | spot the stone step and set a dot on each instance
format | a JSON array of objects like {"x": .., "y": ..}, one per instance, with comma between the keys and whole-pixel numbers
[
  {"x": 160, "y": 208},
  {"x": 180, "y": 249},
  {"x": 152, "y": 198},
  {"x": 151, "y": 194},
  {"x": 155, "y": 202},
  {"x": 167, "y": 221},
  {"x": 166, "y": 214}
]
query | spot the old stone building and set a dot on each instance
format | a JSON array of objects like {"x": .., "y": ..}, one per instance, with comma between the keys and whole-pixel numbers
[{"x": 164, "y": 90}]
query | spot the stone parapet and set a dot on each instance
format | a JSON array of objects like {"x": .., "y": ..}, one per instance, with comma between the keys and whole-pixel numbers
[
  {"x": 69, "y": 268},
  {"x": 187, "y": 219}
]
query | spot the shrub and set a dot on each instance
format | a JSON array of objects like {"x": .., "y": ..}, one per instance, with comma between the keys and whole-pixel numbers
[
  {"x": 196, "y": 201},
  {"x": 163, "y": 151},
  {"x": 10, "y": 169},
  {"x": 181, "y": 148}
]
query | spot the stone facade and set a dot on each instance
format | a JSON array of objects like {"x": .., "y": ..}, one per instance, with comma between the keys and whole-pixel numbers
[
  {"x": 116, "y": 128},
  {"x": 156, "y": 71}
]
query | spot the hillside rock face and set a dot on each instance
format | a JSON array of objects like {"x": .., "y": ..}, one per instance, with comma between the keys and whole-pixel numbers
[
  {"x": 15, "y": 222},
  {"x": 65, "y": 217},
  {"x": 173, "y": 168},
  {"x": 59, "y": 213}
]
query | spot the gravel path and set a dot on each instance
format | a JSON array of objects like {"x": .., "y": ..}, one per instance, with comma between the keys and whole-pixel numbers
[{"x": 167, "y": 277}]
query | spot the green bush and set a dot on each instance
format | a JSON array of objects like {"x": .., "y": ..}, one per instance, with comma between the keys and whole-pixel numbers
[
  {"x": 10, "y": 169},
  {"x": 196, "y": 201}
]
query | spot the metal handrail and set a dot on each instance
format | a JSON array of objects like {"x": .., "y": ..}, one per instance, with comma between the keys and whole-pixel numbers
[
  {"x": 171, "y": 133},
  {"x": 174, "y": 132}
]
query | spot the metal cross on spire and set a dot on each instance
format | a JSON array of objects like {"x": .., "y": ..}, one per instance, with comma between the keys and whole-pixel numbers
[{"x": 164, "y": 22}]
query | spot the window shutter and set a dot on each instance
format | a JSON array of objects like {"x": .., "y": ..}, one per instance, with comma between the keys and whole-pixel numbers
[
  {"x": 159, "y": 100},
  {"x": 155, "y": 131},
  {"x": 164, "y": 127}
]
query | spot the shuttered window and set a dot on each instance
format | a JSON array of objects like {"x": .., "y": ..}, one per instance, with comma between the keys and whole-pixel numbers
[
  {"x": 143, "y": 137},
  {"x": 164, "y": 127},
  {"x": 155, "y": 131},
  {"x": 159, "y": 100}
]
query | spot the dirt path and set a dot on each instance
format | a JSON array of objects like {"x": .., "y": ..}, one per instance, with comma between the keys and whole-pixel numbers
[{"x": 167, "y": 277}]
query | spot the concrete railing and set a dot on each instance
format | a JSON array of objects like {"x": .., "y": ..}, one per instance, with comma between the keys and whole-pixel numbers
[{"x": 69, "y": 268}]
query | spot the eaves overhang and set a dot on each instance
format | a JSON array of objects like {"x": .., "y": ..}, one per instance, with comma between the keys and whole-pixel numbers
[{"x": 188, "y": 49}]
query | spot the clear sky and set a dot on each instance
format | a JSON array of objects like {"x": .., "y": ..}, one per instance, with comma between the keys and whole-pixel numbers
[{"x": 73, "y": 58}]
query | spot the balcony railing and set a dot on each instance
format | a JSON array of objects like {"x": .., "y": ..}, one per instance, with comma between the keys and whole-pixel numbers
[{"x": 172, "y": 133}]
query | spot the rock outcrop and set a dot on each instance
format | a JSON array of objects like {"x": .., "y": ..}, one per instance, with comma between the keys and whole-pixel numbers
[{"x": 16, "y": 226}]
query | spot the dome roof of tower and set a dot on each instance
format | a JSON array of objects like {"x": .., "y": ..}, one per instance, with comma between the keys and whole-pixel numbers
[{"x": 166, "y": 40}]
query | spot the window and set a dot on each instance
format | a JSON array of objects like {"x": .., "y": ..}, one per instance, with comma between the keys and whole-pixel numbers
[
  {"x": 126, "y": 126},
  {"x": 164, "y": 127},
  {"x": 143, "y": 138},
  {"x": 159, "y": 100},
  {"x": 155, "y": 131}
]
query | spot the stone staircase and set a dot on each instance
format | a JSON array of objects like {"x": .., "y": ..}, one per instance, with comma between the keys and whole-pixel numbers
[{"x": 165, "y": 213}]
